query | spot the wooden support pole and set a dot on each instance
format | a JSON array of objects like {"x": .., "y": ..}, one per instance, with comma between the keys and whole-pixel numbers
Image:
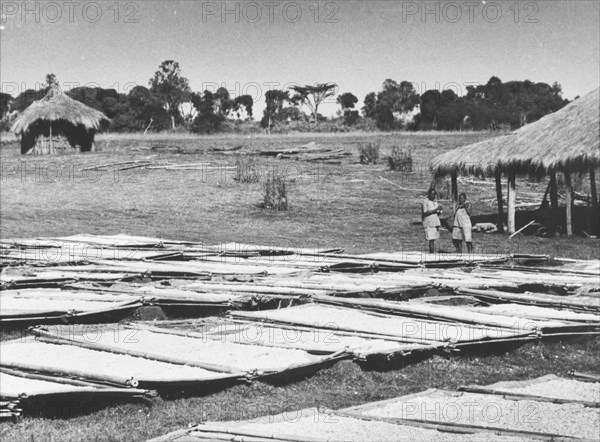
[
  {"x": 593, "y": 189},
  {"x": 51, "y": 140},
  {"x": 511, "y": 201},
  {"x": 569, "y": 201},
  {"x": 454, "y": 184},
  {"x": 500, "y": 201},
  {"x": 553, "y": 191}
]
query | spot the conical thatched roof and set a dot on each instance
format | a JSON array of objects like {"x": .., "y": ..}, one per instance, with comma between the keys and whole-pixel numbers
[
  {"x": 57, "y": 106},
  {"x": 569, "y": 138}
]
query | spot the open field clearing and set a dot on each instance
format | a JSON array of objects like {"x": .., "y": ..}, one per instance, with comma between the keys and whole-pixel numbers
[
  {"x": 182, "y": 189},
  {"x": 345, "y": 204}
]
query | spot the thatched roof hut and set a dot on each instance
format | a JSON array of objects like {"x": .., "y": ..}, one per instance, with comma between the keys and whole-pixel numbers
[
  {"x": 58, "y": 114},
  {"x": 566, "y": 141}
]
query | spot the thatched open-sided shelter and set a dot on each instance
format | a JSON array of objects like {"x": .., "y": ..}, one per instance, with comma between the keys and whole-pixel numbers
[
  {"x": 54, "y": 115},
  {"x": 566, "y": 141}
]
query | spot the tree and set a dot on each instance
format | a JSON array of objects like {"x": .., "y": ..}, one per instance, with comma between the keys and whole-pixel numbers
[
  {"x": 223, "y": 103},
  {"x": 313, "y": 96},
  {"x": 5, "y": 107},
  {"x": 108, "y": 101},
  {"x": 347, "y": 100},
  {"x": 25, "y": 98},
  {"x": 170, "y": 88},
  {"x": 431, "y": 101},
  {"x": 370, "y": 104},
  {"x": 5, "y": 102},
  {"x": 441, "y": 110},
  {"x": 275, "y": 99},
  {"x": 393, "y": 100},
  {"x": 207, "y": 121},
  {"x": 51, "y": 80},
  {"x": 245, "y": 101},
  {"x": 142, "y": 111},
  {"x": 511, "y": 104}
]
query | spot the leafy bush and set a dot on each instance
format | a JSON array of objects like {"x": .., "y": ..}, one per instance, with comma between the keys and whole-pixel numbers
[
  {"x": 275, "y": 196},
  {"x": 400, "y": 160},
  {"x": 247, "y": 169},
  {"x": 368, "y": 153},
  {"x": 243, "y": 127},
  {"x": 366, "y": 125},
  {"x": 351, "y": 117}
]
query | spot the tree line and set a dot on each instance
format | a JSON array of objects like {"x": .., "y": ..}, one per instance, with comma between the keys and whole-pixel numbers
[{"x": 169, "y": 103}]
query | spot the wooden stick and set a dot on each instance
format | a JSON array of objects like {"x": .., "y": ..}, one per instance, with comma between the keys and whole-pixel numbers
[
  {"x": 454, "y": 188},
  {"x": 511, "y": 201},
  {"x": 424, "y": 312},
  {"x": 500, "y": 202},
  {"x": 593, "y": 189},
  {"x": 55, "y": 379},
  {"x": 149, "y": 124},
  {"x": 51, "y": 146},
  {"x": 400, "y": 187},
  {"x": 546, "y": 192},
  {"x": 135, "y": 166},
  {"x": 108, "y": 165},
  {"x": 569, "y": 202},
  {"x": 521, "y": 396},
  {"x": 243, "y": 434},
  {"x": 553, "y": 191},
  {"x": 585, "y": 376},
  {"x": 114, "y": 380},
  {"x": 53, "y": 339},
  {"x": 332, "y": 332},
  {"x": 530, "y": 299},
  {"x": 522, "y": 228}
]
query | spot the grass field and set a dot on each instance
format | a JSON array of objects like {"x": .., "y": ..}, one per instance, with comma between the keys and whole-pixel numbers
[{"x": 345, "y": 205}]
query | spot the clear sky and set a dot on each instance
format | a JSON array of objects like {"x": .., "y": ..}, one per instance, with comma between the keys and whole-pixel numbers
[{"x": 250, "y": 46}]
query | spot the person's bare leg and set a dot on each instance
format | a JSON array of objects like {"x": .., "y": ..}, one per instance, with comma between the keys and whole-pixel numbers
[
  {"x": 431, "y": 246},
  {"x": 457, "y": 245}
]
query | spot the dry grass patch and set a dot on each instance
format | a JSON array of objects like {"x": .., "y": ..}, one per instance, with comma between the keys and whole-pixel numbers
[
  {"x": 275, "y": 193},
  {"x": 368, "y": 153},
  {"x": 247, "y": 169},
  {"x": 401, "y": 160}
]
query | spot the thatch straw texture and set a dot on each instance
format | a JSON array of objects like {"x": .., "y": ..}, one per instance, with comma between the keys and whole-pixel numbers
[
  {"x": 566, "y": 139},
  {"x": 57, "y": 106},
  {"x": 57, "y": 114}
]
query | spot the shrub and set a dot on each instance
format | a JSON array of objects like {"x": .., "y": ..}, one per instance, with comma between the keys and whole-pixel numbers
[
  {"x": 351, "y": 117},
  {"x": 366, "y": 125},
  {"x": 247, "y": 169},
  {"x": 400, "y": 160},
  {"x": 275, "y": 197},
  {"x": 369, "y": 153},
  {"x": 243, "y": 127}
]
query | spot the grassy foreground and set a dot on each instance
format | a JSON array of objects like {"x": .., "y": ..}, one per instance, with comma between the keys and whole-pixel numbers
[{"x": 345, "y": 205}]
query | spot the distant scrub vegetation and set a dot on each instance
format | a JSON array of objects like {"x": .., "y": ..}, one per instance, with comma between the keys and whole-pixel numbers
[{"x": 170, "y": 104}]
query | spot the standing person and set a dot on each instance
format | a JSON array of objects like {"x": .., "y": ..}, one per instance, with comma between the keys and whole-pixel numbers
[
  {"x": 430, "y": 211},
  {"x": 462, "y": 224}
]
